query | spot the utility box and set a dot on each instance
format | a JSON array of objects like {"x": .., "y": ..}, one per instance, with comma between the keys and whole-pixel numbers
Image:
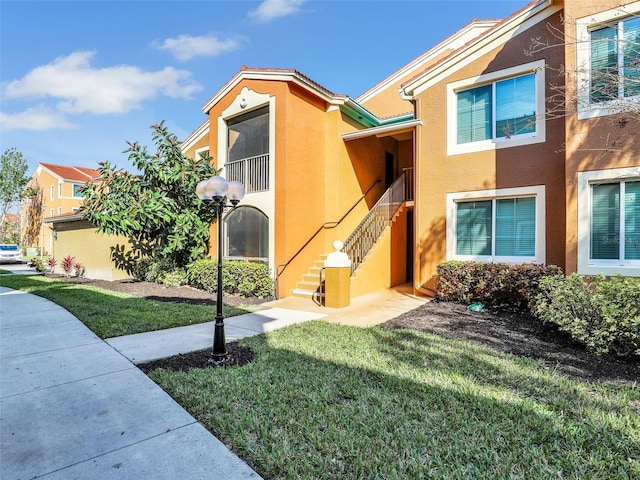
[{"x": 337, "y": 278}]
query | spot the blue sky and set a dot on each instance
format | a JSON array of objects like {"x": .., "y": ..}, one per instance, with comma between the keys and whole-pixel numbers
[{"x": 80, "y": 78}]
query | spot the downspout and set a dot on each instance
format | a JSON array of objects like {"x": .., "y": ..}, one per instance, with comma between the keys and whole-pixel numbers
[{"x": 417, "y": 288}]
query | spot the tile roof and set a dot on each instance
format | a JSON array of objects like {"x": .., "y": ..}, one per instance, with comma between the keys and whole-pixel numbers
[{"x": 74, "y": 174}]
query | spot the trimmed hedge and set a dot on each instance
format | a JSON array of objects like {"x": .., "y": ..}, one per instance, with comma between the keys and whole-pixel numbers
[
  {"x": 601, "y": 313},
  {"x": 499, "y": 285},
  {"x": 238, "y": 278}
]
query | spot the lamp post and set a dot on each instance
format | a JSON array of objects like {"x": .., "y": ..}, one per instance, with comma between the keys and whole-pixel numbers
[{"x": 215, "y": 192}]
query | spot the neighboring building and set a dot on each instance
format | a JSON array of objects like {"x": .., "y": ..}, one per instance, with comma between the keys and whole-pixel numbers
[
  {"x": 467, "y": 143},
  {"x": 56, "y": 192}
]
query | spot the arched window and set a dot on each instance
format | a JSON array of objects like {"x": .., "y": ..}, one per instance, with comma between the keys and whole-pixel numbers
[{"x": 247, "y": 235}]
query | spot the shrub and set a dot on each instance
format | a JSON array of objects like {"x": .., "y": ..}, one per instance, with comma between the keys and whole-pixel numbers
[
  {"x": 176, "y": 278},
  {"x": 603, "y": 314},
  {"x": 243, "y": 278},
  {"x": 79, "y": 269},
  {"x": 499, "y": 285},
  {"x": 37, "y": 264},
  {"x": 141, "y": 268},
  {"x": 153, "y": 269},
  {"x": 52, "y": 262},
  {"x": 67, "y": 265}
]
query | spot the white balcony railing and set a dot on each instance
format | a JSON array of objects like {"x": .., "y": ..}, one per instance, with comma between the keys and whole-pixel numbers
[{"x": 253, "y": 172}]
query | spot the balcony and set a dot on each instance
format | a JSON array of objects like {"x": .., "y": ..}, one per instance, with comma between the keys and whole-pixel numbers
[{"x": 253, "y": 172}]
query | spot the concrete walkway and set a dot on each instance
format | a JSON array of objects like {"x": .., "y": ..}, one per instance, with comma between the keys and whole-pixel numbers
[
  {"x": 72, "y": 407},
  {"x": 75, "y": 406}
]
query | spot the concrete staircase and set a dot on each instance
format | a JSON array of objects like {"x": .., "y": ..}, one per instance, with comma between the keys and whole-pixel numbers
[{"x": 309, "y": 287}]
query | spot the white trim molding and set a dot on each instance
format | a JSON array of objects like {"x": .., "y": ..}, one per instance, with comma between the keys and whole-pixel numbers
[
  {"x": 586, "y": 265},
  {"x": 537, "y": 191},
  {"x": 539, "y": 136},
  {"x": 584, "y": 26}
]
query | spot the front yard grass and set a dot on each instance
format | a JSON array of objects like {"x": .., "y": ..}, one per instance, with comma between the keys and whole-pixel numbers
[
  {"x": 111, "y": 314},
  {"x": 324, "y": 401}
]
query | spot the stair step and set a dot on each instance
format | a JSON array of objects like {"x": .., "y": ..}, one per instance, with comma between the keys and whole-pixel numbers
[
  {"x": 296, "y": 292},
  {"x": 312, "y": 286}
]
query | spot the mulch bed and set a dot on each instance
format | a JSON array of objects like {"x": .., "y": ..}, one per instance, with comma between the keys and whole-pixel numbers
[{"x": 508, "y": 332}]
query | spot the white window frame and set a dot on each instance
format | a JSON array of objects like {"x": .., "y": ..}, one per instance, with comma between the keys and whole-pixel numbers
[
  {"x": 60, "y": 190},
  {"x": 59, "y": 210},
  {"x": 584, "y": 26},
  {"x": 537, "y": 191},
  {"x": 52, "y": 192},
  {"x": 586, "y": 265},
  {"x": 454, "y": 148}
]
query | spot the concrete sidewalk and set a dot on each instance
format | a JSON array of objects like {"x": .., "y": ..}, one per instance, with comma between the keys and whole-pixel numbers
[
  {"x": 144, "y": 347},
  {"x": 72, "y": 407}
]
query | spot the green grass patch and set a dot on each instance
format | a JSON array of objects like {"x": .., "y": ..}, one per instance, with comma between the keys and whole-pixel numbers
[
  {"x": 324, "y": 401},
  {"x": 111, "y": 314},
  {"x": 5, "y": 272}
]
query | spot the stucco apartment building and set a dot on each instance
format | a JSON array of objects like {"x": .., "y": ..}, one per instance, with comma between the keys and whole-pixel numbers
[
  {"x": 513, "y": 140},
  {"x": 60, "y": 195}
]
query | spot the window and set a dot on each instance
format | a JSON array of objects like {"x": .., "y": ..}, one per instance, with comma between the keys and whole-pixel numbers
[
  {"x": 608, "y": 60},
  {"x": 609, "y": 222},
  {"x": 615, "y": 221},
  {"x": 59, "y": 210},
  {"x": 504, "y": 225},
  {"x": 59, "y": 190},
  {"x": 615, "y": 60},
  {"x": 76, "y": 190},
  {"x": 247, "y": 235},
  {"x": 248, "y": 150},
  {"x": 52, "y": 191},
  {"x": 497, "y": 110}
]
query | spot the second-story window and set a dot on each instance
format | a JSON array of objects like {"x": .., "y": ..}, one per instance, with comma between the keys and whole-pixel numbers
[
  {"x": 52, "y": 192},
  {"x": 76, "y": 191},
  {"x": 248, "y": 150},
  {"x": 501, "y": 109},
  {"x": 615, "y": 60}
]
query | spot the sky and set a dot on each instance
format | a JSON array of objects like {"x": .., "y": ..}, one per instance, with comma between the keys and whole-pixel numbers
[{"x": 80, "y": 78}]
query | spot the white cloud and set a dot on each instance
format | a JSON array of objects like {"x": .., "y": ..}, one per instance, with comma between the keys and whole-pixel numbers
[
  {"x": 270, "y": 9},
  {"x": 85, "y": 89},
  {"x": 186, "y": 47},
  {"x": 40, "y": 117}
]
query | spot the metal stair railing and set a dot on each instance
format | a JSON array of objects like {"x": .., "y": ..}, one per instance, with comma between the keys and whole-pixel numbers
[{"x": 367, "y": 233}]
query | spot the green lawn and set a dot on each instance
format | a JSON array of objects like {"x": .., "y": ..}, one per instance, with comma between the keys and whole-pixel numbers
[
  {"x": 324, "y": 401},
  {"x": 111, "y": 314}
]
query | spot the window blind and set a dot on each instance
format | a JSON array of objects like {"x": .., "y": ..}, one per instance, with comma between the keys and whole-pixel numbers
[
  {"x": 516, "y": 227},
  {"x": 473, "y": 227},
  {"x": 516, "y": 106},
  {"x": 605, "y": 221},
  {"x": 632, "y": 220},
  {"x": 474, "y": 114}
]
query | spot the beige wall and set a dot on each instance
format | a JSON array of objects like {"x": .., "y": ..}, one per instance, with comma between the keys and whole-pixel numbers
[
  {"x": 318, "y": 176},
  {"x": 81, "y": 240}
]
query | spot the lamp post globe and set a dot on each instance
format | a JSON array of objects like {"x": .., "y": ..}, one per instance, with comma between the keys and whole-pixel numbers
[{"x": 215, "y": 192}]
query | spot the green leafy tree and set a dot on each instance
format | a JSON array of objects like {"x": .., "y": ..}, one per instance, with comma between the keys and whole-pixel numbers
[
  {"x": 13, "y": 179},
  {"x": 157, "y": 209}
]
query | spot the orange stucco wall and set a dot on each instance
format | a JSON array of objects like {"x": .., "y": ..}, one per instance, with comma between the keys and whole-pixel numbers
[
  {"x": 586, "y": 139},
  {"x": 318, "y": 177},
  {"x": 438, "y": 174}
]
